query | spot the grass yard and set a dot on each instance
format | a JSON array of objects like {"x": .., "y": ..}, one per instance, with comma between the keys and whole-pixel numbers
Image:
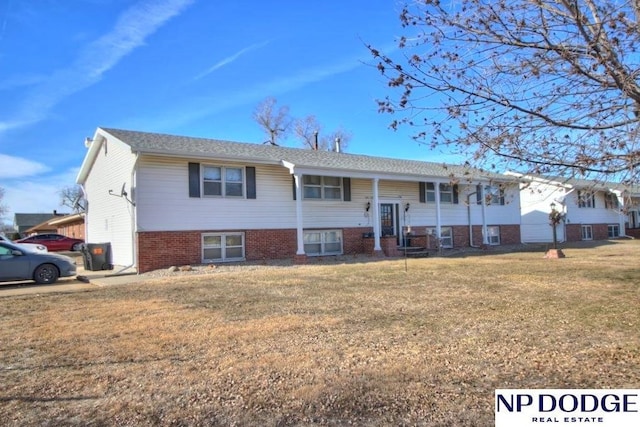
[{"x": 361, "y": 343}]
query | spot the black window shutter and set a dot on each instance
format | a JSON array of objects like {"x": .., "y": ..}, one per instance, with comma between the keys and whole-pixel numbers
[
  {"x": 455, "y": 194},
  {"x": 293, "y": 181},
  {"x": 422, "y": 192},
  {"x": 346, "y": 188},
  {"x": 479, "y": 194},
  {"x": 194, "y": 179},
  {"x": 251, "y": 182}
]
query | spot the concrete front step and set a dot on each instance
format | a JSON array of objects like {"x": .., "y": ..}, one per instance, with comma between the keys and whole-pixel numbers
[{"x": 413, "y": 251}]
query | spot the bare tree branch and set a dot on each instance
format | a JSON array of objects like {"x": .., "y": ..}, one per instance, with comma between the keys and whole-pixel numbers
[
  {"x": 539, "y": 86},
  {"x": 274, "y": 123}
]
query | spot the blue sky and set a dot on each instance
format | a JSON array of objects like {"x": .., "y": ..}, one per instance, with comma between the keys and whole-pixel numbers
[{"x": 187, "y": 67}]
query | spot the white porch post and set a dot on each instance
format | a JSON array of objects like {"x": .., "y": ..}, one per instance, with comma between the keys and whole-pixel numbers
[
  {"x": 376, "y": 216},
  {"x": 299, "y": 231},
  {"x": 621, "y": 215},
  {"x": 483, "y": 203},
  {"x": 436, "y": 186}
]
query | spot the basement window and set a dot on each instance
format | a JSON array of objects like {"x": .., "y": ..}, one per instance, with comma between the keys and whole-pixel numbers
[
  {"x": 493, "y": 234},
  {"x": 323, "y": 242},
  {"x": 446, "y": 236},
  {"x": 221, "y": 247}
]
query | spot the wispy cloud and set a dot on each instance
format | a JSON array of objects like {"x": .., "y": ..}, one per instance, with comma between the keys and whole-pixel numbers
[
  {"x": 17, "y": 167},
  {"x": 3, "y": 22},
  {"x": 131, "y": 30},
  {"x": 205, "y": 106},
  {"x": 228, "y": 60}
]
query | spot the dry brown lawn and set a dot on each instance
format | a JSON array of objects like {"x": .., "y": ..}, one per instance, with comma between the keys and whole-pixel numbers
[{"x": 359, "y": 343}]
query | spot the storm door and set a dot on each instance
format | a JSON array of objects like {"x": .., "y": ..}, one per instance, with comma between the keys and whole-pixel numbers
[{"x": 389, "y": 219}]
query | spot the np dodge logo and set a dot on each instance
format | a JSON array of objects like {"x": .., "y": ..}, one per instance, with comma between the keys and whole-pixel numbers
[{"x": 570, "y": 407}]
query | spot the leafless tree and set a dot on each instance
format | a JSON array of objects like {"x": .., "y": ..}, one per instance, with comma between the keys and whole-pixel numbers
[
  {"x": 340, "y": 136},
  {"x": 309, "y": 131},
  {"x": 73, "y": 197},
  {"x": 274, "y": 122},
  {"x": 538, "y": 86}
]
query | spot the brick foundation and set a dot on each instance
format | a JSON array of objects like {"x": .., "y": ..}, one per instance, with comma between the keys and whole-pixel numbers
[
  {"x": 162, "y": 249},
  {"x": 574, "y": 232},
  {"x": 633, "y": 232},
  {"x": 269, "y": 244}
]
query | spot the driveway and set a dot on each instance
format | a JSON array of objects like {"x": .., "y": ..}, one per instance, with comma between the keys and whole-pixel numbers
[{"x": 91, "y": 280}]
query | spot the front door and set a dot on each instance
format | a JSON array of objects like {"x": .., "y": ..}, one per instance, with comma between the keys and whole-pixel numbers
[{"x": 388, "y": 219}]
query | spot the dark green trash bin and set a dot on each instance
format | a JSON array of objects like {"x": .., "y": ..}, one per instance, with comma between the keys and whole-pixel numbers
[{"x": 97, "y": 256}]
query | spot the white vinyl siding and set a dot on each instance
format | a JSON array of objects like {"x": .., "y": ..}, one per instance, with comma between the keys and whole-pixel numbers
[
  {"x": 323, "y": 242},
  {"x": 110, "y": 218},
  {"x": 164, "y": 204},
  {"x": 222, "y": 247}
]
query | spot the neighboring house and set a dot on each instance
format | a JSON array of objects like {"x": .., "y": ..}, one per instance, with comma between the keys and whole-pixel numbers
[
  {"x": 60, "y": 224},
  {"x": 632, "y": 209},
  {"x": 163, "y": 200},
  {"x": 592, "y": 211},
  {"x": 70, "y": 225},
  {"x": 23, "y": 222}
]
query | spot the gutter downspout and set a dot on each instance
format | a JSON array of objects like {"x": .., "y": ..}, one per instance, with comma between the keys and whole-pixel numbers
[
  {"x": 485, "y": 237},
  {"x": 134, "y": 220},
  {"x": 134, "y": 216}
]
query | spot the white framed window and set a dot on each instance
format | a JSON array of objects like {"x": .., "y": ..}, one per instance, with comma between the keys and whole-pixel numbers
[
  {"x": 322, "y": 187},
  {"x": 587, "y": 232},
  {"x": 446, "y": 236},
  {"x": 611, "y": 201},
  {"x": 613, "y": 230},
  {"x": 323, "y": 242},
  {"x": 224, "y": 181},
  {"x": 493, "y": 234},
  {"x": 586, "y": 199},
  {"x": 222, "y": 247},
  {"x": 493, "y": 194},
  {"x": 448, "y": 193}
]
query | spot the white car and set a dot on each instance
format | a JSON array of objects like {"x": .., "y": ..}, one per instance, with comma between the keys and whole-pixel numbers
[{"x": 31, "y": 247}]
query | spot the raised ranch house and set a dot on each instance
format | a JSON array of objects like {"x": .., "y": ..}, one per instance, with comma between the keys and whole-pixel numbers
[
  {"x": 163, "y": 200},
  {"x": 592, "y": 211}
]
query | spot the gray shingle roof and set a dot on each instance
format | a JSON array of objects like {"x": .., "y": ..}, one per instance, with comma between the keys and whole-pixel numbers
[{"x": 155, "y": 143}]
